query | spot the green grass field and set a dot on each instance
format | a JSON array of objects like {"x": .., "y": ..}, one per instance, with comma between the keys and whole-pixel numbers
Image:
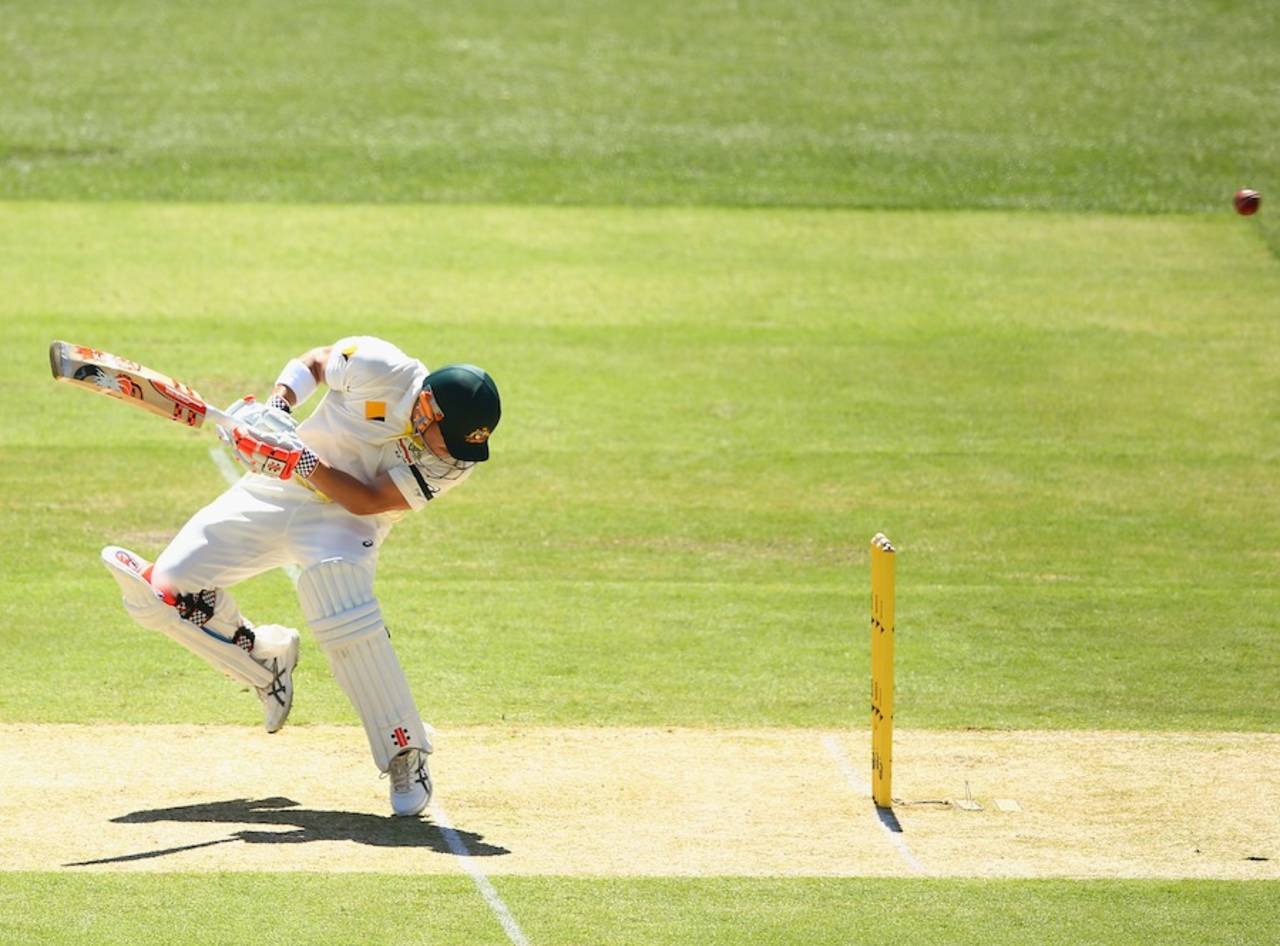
[
  {"x": 969, "y": 277},
  {"x": 334, "y": 911},
  {"x": 674, "y": 527},
  {"x": 1163, "y": 105}
]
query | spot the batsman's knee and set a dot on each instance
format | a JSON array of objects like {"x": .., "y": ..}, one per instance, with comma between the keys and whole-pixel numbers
[
  {"x": 338, "y": 601},
  {"x": 205, "y": 622}
]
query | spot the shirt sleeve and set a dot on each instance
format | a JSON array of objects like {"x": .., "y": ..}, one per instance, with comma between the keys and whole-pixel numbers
[
  {"x": 410, "y": 481},
  {"x": 336, "y": 368},
  {"x": 363, "y": 366}
]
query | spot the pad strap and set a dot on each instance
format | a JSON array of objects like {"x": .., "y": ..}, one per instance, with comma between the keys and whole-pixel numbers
[{"x": 202, "y": 632}]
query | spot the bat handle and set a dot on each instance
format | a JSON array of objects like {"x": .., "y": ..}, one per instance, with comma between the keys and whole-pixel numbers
[{"x": 221, "y": 418}]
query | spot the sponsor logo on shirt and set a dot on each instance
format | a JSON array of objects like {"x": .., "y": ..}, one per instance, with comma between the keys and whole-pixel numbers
[{"x": 411, "y": 448}]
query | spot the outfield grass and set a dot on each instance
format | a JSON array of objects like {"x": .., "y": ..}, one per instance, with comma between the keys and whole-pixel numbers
[
  {"x": 1066, "y": 422},
  {"x": 329, "y": 910},
  {"x": 1166, "y": 105}
]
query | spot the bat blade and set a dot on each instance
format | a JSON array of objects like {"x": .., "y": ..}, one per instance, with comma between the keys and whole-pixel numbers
[{"x": 105, "y": 373}]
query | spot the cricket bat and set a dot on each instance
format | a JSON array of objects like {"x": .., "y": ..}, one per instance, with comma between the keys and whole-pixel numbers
[{"x": 135, "y": 384}]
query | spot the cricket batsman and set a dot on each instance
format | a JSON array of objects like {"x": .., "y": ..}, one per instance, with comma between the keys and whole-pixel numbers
[{"x": 389, "y": 436}]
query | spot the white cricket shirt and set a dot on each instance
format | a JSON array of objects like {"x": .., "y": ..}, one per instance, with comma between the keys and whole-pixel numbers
[{"x": 363, "y": 425}]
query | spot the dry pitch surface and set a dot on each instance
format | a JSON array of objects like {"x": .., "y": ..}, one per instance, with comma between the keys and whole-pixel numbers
[{"x": 644, "y": 802}]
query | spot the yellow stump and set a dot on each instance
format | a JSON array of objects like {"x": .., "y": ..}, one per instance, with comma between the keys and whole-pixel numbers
[{"x": 882, "y": 671}]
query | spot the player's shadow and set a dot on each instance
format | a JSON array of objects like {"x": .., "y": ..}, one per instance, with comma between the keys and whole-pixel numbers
[{"x": 308, "y": 825}]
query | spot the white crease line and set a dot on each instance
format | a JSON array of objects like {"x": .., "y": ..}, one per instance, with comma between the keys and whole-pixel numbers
[
  {"x": 459, "y": 849},
  {"x": 862, "y": 788},
  {"x": 231, "y": 473}
]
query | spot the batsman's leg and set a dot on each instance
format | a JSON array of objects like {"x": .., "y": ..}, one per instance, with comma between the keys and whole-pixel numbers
[
  {"x": 209, "y": 624},
  {"x": 338, "y": 601}
]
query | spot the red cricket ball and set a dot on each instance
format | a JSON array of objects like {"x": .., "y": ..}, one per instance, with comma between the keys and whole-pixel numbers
[{"x": 1248, "y": 201}]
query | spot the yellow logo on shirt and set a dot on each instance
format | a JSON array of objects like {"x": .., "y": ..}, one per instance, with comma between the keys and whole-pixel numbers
[{"x": 375, "y": 410}]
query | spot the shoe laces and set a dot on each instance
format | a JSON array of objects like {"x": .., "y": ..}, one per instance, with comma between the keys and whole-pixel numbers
[{"x": 402, "y": 768}]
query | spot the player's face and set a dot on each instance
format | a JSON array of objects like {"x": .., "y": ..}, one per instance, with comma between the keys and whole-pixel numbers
[
  {"x": 425, "y": 416},
  {"x": 435, "y": 442}
]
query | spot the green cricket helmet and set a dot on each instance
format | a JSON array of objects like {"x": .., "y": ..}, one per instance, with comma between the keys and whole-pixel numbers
[{"x": 468, "y": 400}]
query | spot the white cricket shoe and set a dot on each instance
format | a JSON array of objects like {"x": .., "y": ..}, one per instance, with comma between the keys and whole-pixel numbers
[
  {"x": 410, "y": 783},
  {"x": 276, "y": 648}
]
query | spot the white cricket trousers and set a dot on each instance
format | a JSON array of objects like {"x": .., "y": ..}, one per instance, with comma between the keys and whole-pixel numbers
[{"x": 259, "y": 524}]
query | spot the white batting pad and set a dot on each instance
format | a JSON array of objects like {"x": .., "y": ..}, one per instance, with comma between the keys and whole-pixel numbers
[
  {"x": 147, "y": 608},
  {"x": 338, "y": 601}
]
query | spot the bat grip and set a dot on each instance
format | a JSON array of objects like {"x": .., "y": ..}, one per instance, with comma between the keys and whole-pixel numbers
[{"x": 221, "y": 418}]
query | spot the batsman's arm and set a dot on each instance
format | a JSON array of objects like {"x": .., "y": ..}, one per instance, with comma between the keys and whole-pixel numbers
[
  {"x": 302, "y": 376},
  {"x": 356, "y": 496},
  {"x": 280, "y": 454}
]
